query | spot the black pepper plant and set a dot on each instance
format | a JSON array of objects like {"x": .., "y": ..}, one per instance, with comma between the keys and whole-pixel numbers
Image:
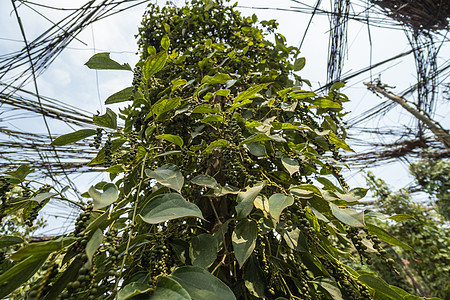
[{"x": 224, "y": 179}]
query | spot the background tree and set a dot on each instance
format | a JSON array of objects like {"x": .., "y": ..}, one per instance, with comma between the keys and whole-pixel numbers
[{"x": 211, "y": 192}]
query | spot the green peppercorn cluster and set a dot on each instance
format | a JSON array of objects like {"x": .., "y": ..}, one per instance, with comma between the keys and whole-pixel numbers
[
  {"x": 5, "y": 188},
  {"x": 83, "y": 218},
  {"x": 132, "y": 152},
  {"x": 51, "y": 270},
  {"x": 108, "y": 152},
  {"x": 381, "y": 252},
  {"x": 137, "y": 78},
  {"x": 354, "y": 235},
  {"x": 34, "y": 212},
  {"x": 111, "y": 239},
  {"x": 80, "y": 283},
  {"x": 160, "y": 260},
  {"x": 98, "y": 138},
  {"x": 350, "y": 288}
]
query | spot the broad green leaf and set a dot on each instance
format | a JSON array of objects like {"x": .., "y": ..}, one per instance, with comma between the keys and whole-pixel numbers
[
  {"x": 239, "y": 104},
  {"x": 354, "y": 194},
  {"x": 73, "y": 137},
  {"x": 258, "y": 137},
  {"x": 154, "y": 64},
  {"x": 379, "y": 286},
  {"x": 277, "y": 203},
  {"x": 336, "y": 86},
  {"x": 203, "y": 250},
  {"x": 245, "y": 199},
  {"x": 331, "y": 287},
  {"x": 175, "y": 139},
  {"x": 110, "y": 195},
  {"x": 256, "y": 149},
  {"x": 216, "y": 144},
  {"x": 385, "y": 236},
  {"x": 167, "y": 207},
  {"x": 134, "y": 289},
  {"x": 9, "y": 240},
  {"x": 297, "y": 190},
  {"x": 14, "y": 277},
  {"x": 206, "y": 181},
  {"x": 223, "y": 93},
  {"x": 122, "y": 96},
  {"x": 325, "y": 103},
  {"x": 109, "y": 119},
  {"x": 290, "y": 164},
  {"x": 254, "y": 278},
  {"x": 168, "y": 288},
  {"x": 42, "y": 196},
  {"x": 200, "y": 284},
  {"x": 93, "y": 244},
  {"x": 219, "y": 78},
  {"x": 42, "y": 248},
  {"x": 250, "y": 93},
  {"x": 402, "y": 217},
  {"x": 165, "y": 42},
  {"x": 205, "y": 108},
  {"x": 101, "y": 61},
  {"x": 244, "y": 240},
  {"x": 299, "y": 63},
  {"x": 178, "y": 82},
  {"x": 167, "y": 175},
  {"x": 348, "y": 216},
  {"x": 339, "y": 143},
  {"x": 21, "y": 172},
  {"x": 302, "y": 94},
  {"x": 212, "y": 118},
  {"x": 164, "y": 105},
  {"x": 295, "y": 240}
]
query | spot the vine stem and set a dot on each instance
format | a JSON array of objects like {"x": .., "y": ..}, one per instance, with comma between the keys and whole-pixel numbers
[{"x": 133, "y": 220}]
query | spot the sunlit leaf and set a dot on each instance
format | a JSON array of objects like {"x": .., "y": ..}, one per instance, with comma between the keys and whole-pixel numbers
[
  {"x": 244, "y": 240},
  {"x": 168, "y": 288},
  {"x": 110, "y": 195},
  {"x": 245, "y": 199},
  {"x": 203, "y": 250},
  {"x": 168, "y": 175},
  {"x": 348, "y": 216},
  {"x": 73, "y": 137},
  {"x": 102, "y": 61},
  {"x": 277, "y": 203},
  {"x": 109, "y": 119}
]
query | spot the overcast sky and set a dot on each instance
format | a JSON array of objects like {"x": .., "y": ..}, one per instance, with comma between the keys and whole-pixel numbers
[{"x": 69, "y": 80}]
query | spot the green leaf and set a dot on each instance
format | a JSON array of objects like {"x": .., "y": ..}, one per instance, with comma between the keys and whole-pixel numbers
[
  {"x": 93, "y": 244},
  {"x": 295, "y": 240},
  {"x": 69, "y": 275},
  {"x": 239, "y": 104},
  {"x": 178, "y": 82},
  {"x": 9, "y": 240},
  {"x": 121, "y": 96},
  {"x": 14, "y": 277},
  {"x": 200, "y": 284},
  {"x": 42, "y": 248},
  {"x": 165, "y": 42},
  {"x": 325, "y": 103},
  {"x": 203, "y": 250},
  {"x": 354, "y": 194},
  {"x": 175, "y": 139},
  {"x": 336, "y": 86},
  {"x": 250, "y": 93},
  {"x": 109, "y": 119},
  {"x": 165, "y": 105},
  {"x": 21, "y": 172},
  {"x": 299, "y": 190},
  {"x": 223, "y": 93},
  {"x": 110, "y": 195},
  {"x": 206, "y": 181},
  {"x": 244, "y": 240},
  {"x": 339, "y": 143},
  {"x": 73, "y": 137},
  {"x": 219, "y": 78},
  {"x": 134, "y": 289},
  {"x": 385, "y": 236},
  {"x": 216, "y": 144},
  {"x": 331, "y": 287},
  {"x": 168, "y": 288},
  {"x": 379, "y": 286},
  {"x": 255, "y": 138},
  {"x": 205, "y": 108},
  {"x": 277, "y": 203},
  {"x": 101, "y": 61},
  {"x": 402, "y": 217},
  {"x": 245, "y": 199},
  {"x": 256, "y": 149},
  {"x": 254, "y": 278},
  {"x": 302, "y": 94},
  {"x": 212, "y": 118},
  {"x": 154, "y": 64},
  {"x": 100, "y": 158},
  {"x": 348, "y": 216},
  {"x": 167, "y": 207},
  {"x": 290, "y": 164},
  {"x": 42, "y": 196},
  {"x": 167, "y": 175},
  {"x": 299, "y": 63}
]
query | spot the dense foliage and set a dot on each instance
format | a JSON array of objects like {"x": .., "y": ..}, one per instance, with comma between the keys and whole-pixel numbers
[
  {"x": 224, "y": 181},
  {"x": 424, "y": 271}
]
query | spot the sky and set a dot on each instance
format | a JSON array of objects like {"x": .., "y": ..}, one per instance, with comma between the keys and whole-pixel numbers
[{"x": 68, "y": 79}]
